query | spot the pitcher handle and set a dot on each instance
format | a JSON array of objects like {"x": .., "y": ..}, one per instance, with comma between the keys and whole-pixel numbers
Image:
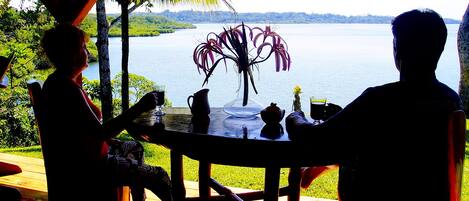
[{"x": 188, "y": 103}]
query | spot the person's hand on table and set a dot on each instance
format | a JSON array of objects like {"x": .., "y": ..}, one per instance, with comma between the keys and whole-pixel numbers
[
  {"x": 294, "y": 116},
  {"x": 144, "y": 126},
  {"x": 147, "y": 102},
  {"x": 293, "y": 121},
  {"x": 331, "y": 110}
]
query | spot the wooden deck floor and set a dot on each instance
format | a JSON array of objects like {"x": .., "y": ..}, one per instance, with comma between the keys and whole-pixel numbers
[{"x": 32, "y": 181}]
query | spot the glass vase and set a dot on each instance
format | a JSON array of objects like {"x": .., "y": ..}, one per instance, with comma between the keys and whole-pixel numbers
[
  {"x": 239, "y": 108},
  {"x": 235, "y": 108}
]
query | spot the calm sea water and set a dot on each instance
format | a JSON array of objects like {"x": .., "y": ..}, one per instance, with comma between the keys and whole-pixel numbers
[{"x": 336, "y": 61}]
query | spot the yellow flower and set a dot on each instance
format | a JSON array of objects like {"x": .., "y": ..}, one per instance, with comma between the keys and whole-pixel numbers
[{"x": 297, "y": 90}]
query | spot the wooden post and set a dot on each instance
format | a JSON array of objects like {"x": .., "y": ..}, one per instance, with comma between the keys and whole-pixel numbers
[
  {"x": 177, "y": 177},
  {"x": 294, "y": 179},
  {"x": 204, "y": 177},
  {"x": 272, "y": 177}
]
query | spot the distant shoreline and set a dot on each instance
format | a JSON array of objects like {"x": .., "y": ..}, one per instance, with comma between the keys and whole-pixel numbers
[{"x": 200, "y": 17}]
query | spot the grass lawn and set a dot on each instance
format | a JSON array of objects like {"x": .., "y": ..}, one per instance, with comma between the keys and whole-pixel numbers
[{"x": 252, "y": 178}]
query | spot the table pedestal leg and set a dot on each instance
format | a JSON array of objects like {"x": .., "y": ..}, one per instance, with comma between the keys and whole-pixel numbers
[
  {"x": 177, "y": 177},
  {"x": 294, "y": 179},
  {"x": 272, "y": 177},
  {"x": 204, "y": 177}
]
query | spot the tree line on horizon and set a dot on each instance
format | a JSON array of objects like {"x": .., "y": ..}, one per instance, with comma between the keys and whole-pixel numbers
[
  {"x": 191, "y": 16},
  {"x": 149, "y": 25}
]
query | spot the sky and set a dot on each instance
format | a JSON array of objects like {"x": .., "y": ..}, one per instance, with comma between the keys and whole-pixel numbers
[{"x": 447, "y": 8}]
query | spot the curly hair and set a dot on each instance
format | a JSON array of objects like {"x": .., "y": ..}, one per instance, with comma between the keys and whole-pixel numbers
[{"x": 63, "y": 45}]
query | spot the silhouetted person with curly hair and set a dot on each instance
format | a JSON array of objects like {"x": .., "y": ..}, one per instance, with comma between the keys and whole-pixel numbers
[{"x": 79, "y": 145}]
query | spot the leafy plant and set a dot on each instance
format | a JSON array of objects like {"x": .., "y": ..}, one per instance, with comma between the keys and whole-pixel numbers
[
  {"x": 246, "y": 47},
  {"x": 16, "y": 119},
  {"x": 20, "y": 33},
  {"x": 138, "y": 87},
  {"x": 146, "y": 25}
]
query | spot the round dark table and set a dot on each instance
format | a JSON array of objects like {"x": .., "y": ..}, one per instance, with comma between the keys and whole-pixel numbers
[{"x": 226, "y": 140}]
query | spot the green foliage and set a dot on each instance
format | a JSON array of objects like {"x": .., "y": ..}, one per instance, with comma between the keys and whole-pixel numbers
[
  {"x": 93, "y": 50},
  {"x": 224, "y": 17},
  {"x": 138, "y": 26},
  {"x": 146, "y": 25},
  {"x": 92, "y": 88},
  {"x": 90, "y": 27},
  {"x": 138, "y": 87},
  {"x": 116, "y": 106},
  {"x": 20, "y": 33},
  {"x": 32, "y": 151},
  {"x": 16, "y": 119}
]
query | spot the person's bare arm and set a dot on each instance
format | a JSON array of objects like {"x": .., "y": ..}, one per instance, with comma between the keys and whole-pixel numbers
[
  {"x": 85, "y": 116},
  {"x": 114, "y": 126},
  {"x": 337, "y": 135}
]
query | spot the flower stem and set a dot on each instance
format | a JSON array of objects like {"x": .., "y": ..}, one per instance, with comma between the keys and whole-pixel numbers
[{"x": 246, "y": 87}]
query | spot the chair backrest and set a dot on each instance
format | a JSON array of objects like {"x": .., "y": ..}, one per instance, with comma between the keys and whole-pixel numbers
[
  {"x": 456, "y": 151},
  {"x": 34, "y": 89},
  {"x": 35, "y": 94}
]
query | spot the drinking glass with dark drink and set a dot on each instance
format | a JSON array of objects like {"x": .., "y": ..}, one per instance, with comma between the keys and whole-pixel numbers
[
  {"x": 160, "y": 89},
  {"x": 318, "y": 109}
]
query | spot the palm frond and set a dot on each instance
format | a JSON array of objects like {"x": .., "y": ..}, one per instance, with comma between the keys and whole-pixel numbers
[{"x": 203, "y": 3}]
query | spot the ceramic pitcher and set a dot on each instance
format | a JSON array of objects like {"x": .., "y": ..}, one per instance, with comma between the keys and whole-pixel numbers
[{"x": 199, "y": 105}]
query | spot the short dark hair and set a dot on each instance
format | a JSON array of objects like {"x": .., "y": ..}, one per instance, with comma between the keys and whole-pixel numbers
[
  {"x": 63, "y": 45},
  {"x": 420, "y": 36}
]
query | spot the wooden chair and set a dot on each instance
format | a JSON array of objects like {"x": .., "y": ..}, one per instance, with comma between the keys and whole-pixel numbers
[
  {"x": 53, "y": 186},
  {"x": 456, "y": 151}
]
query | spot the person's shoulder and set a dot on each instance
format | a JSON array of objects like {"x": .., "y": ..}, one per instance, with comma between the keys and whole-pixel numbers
[
  {"x": 451, "y": 95},
  {"x": 54, "y": 81},
  {"x": 446, "y": 88},
  {"x": 385, "y": 88},
  {"x": 388, "y": 86},
  {"x": 56, "y": 85},
  {"x": 376, "y": 94}
]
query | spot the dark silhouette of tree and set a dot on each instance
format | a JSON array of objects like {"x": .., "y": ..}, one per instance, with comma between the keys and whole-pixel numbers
[{"x": 463, "y": 49}]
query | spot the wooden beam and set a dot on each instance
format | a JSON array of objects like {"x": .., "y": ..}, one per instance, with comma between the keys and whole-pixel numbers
[{"x": 69, "y": 11}]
